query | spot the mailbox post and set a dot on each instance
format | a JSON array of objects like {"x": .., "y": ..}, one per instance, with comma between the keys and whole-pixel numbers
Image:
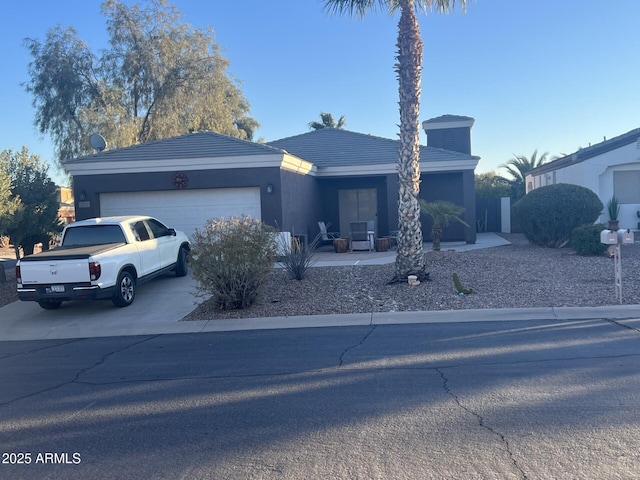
[{"x": 616, "y": 238}]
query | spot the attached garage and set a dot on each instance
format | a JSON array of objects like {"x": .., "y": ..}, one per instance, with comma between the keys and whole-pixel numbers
[{"x": 184, "y": 210}]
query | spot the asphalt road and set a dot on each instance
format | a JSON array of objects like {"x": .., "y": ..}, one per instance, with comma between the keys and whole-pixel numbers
[{"x": 495, "y": 400}]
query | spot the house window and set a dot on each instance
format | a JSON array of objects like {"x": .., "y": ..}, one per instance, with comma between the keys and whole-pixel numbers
[{"x": 626, "y": 186}]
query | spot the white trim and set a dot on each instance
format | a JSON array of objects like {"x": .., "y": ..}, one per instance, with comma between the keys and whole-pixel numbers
[
  {"x": 358, "y": 170},
  {"x": 284, "y": 161},
  {"x": 441, "y": 125},
  {"x": 441, "y": 166}
]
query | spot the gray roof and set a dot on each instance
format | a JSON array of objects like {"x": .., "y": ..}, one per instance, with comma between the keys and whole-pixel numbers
[
  {"x": 583, "y": 154},
  {"x": 332, "y": 147},
  {"x": 192, "y": 145}
]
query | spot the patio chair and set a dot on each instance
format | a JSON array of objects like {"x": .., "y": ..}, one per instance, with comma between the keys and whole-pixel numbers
[
  {"x": 327, "y": 236},
  {"x": 359, "y": 238},
  {"x": 393, "y": 239}
]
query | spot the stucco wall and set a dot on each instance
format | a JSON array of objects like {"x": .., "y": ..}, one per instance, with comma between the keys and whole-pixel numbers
[
  {"x": 87, "y": 188},
  {"x": 300, "y": 204}
]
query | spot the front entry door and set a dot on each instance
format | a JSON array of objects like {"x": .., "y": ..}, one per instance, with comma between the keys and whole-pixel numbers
[{"x": 357, "y": 205}]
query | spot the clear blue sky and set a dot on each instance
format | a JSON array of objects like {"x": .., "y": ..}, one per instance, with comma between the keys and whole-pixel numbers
[{"x": 548, "y": 75}]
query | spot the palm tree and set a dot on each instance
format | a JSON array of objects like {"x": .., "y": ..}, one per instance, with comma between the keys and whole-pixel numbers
[
  {"x": 410, "y": 257},
  {"x": 442, "y": 213},
  {"x": 519, "y": 166},
  {"x": 327, "y": 122}
]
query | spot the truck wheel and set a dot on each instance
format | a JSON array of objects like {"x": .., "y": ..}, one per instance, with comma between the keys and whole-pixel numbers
[
  {"x": 182, "y": 267},
  {"x": 125, "y": 290},
  {"x": 50, "y": 304}
]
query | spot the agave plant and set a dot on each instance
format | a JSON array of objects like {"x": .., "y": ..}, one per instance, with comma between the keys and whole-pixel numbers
[{"x": 442, "y": 213}]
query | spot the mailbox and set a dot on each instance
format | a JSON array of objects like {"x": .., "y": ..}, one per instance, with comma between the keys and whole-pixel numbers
[
  {"x": 625, "y": 236},
  {"x": 609, "y": 237}
]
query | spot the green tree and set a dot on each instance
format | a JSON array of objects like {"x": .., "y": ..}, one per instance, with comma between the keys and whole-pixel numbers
[
  {"x": 492, "y": 185},
  {"x": 442, "y": 213},
  {"x": 158, "y": 78},
  {"x": 37, "y": 193},
  {"x": 518, "y": 167},
  {"x": 10, "y": 206},
  {"x": 327, "y": 121},
  {"x": 410, "y": 257}
]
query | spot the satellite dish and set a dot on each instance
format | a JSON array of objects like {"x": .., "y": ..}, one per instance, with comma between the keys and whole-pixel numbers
[{"x": 98, "y": 142}]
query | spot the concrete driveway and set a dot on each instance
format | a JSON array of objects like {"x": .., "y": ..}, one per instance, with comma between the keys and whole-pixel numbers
[{"x": 164, "y": 300}]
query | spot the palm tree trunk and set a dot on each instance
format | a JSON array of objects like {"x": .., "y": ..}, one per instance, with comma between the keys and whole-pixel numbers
[
  {"x": 436, "y": 236},
  {"x": 410, "y": 258}
]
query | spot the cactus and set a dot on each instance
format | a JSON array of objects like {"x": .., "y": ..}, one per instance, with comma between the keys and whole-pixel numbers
[{"x": 461, "y": 289}]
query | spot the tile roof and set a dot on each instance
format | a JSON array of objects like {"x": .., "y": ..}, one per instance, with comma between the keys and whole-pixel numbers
[
  {"x": 332, "y": 147},
  {"x": 192, "y": 145},
  {"x": 583, "y": 154}
]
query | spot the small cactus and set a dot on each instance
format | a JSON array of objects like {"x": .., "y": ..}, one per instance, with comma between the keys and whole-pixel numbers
[{"x": 461, "y": 289}]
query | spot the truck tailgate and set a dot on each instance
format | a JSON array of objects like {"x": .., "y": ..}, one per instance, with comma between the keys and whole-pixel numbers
[{"x": 55, "y": 271}]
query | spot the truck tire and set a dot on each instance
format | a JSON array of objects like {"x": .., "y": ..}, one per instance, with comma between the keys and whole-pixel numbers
[
  {"x": 125, "y": 290},
  {"x": 182, "y": 267},
  {"x": 50, "y": 304}
]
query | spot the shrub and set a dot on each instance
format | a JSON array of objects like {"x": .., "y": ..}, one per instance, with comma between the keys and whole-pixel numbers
[
  {"x": 297, "y": 259},
  {"x": 231, "y": 258},
  {"x": 585, "y": 239},
  {"x": 548, "y": 215}
]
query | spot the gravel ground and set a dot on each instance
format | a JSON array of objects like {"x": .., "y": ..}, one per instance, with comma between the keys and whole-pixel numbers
[
  {"x": 518, "y": 275},
  {"x": 514, "y": 276}
]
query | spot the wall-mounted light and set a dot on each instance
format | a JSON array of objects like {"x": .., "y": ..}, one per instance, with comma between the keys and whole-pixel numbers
[
  {"x": 83, "y": 196},
  {"x": 269, "y": 188}
]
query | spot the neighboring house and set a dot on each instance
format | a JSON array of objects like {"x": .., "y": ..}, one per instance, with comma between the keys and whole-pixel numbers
[
  {"x": 66, "y": 212},
  {"x": 330, "y": 174},
  {"x": 609, "y": 168}
]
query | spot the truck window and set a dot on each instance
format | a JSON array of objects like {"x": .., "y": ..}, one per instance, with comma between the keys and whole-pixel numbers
[
  {"x": 158, "y": 229},
  {"x": 93, "y": 235},
  {"x": 140, "y": 231}
]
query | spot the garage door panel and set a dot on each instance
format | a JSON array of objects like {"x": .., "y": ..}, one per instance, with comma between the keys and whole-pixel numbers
[{"x": 184, "y": 210}]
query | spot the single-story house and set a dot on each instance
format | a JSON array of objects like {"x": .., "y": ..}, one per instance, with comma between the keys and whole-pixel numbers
[
  {"x": 329, "y": 175},
  {"x": 609, "y": 168}
]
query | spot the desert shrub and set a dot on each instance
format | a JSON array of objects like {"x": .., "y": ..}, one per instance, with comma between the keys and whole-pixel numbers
[
  {"x": 585, "y": 239},
  {"x": 231, "y": 258},
  {"x": 297, "y": 259},
  {"x": 548, "y": 215}
]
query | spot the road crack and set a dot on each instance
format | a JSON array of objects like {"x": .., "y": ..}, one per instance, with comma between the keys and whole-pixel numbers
[
  {"x": 76, "y": 378},
  {"x": 348, "y": 349},
  {"x": 617, "y": 323},
  {"x": 481, "y": 422}
]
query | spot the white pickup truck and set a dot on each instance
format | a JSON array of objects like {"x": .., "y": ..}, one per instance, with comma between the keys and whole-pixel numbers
[{"x": 102, "y": 258}]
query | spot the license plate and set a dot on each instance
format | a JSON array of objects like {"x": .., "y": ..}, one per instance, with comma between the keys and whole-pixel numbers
[{"x": 55, "y": 289}]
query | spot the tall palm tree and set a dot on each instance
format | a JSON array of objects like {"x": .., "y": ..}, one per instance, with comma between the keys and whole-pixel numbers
[
  {"x": 410, "y": 257},
  {"x": 519, "y": 166},
  {"x": 327, "y": 121}
]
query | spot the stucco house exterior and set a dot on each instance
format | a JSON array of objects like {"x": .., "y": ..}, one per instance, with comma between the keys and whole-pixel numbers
[
  {"x": 329, "y": 175},
  {"x": 609, "y": 168}
]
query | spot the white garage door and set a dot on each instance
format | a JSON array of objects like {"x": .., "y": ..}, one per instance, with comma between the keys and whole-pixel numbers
[{"x": 184, "y": 209}]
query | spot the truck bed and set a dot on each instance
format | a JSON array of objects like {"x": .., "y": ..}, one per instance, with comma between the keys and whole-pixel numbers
[{"x": 70, "y": 253}]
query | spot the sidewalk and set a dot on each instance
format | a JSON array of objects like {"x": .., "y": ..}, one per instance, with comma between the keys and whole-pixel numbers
[
  {"x": 26, "y": 321},
  {"x": 113, "y": 329}
]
